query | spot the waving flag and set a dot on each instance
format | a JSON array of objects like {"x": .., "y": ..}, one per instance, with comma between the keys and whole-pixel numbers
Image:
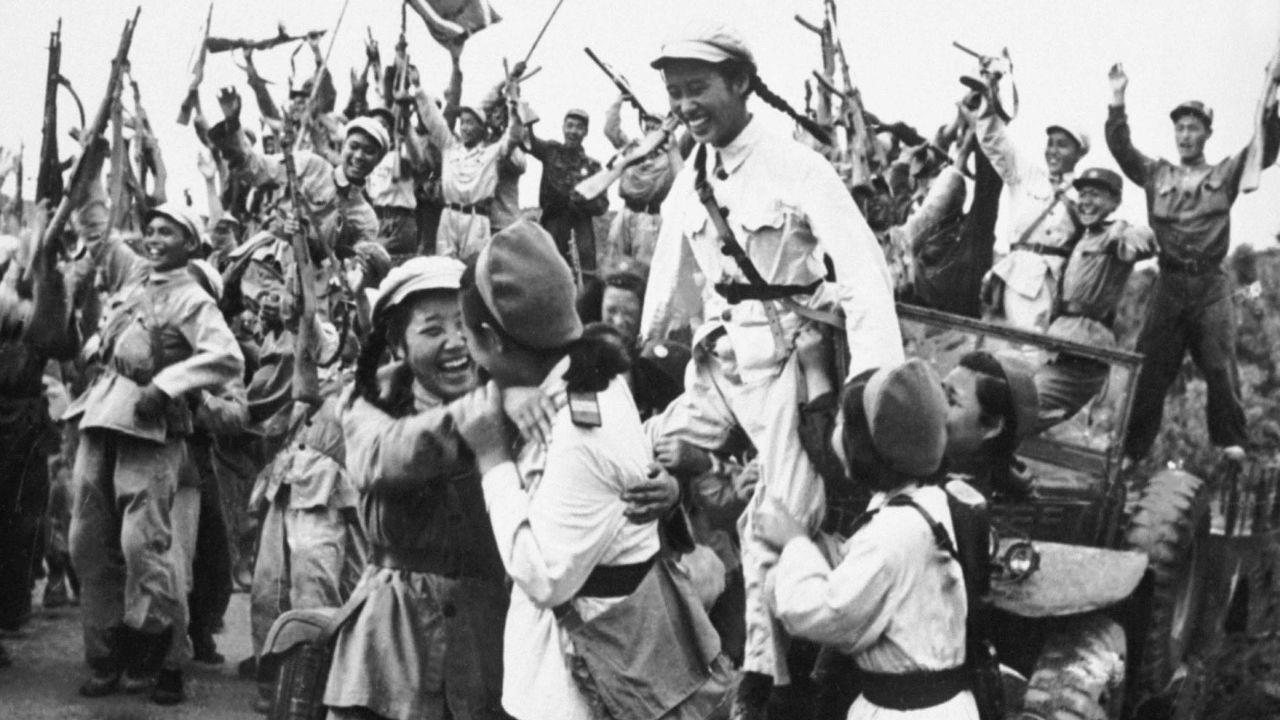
[{"x": 447, "y": 20}]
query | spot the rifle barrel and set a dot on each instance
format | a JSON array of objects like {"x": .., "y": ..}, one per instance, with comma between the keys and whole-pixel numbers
[
  {"x": 617, "y": 81},
  {"x": 967, "y": 51}
]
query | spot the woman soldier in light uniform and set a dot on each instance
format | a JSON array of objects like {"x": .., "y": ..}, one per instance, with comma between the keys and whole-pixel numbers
[{"x": 788, "y": 209}]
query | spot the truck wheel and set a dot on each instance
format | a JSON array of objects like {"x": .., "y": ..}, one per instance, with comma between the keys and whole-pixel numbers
[
  {"x": 1079, "y": 674},
  {"x": 1169, "y": 524}
]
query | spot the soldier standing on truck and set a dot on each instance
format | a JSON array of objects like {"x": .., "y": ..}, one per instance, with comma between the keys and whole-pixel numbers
[{"x": 1189, "y": 204}]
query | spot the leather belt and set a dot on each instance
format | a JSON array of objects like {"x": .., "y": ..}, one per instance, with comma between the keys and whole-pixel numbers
[
  {"x": 1072, "y": 309},
  {"x": 610, "y": 581},
  {"x": 653, "y": 207},
  {"x": 480, "y": 208},
  {"x": 914, "y": 691},
  {"x": 1042, "y": 249},
  {"x": 735, "y": 293},
  {"x": 1188, "y": 267}
]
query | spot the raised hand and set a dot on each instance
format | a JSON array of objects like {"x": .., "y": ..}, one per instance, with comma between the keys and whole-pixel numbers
[
  {"x": 229, "y": 101},
  {"x": 204, "y": 161},
  {"x": 1119, "y": 80}
]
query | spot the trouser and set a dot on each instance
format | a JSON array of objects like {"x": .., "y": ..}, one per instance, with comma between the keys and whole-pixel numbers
[
  {"x": 398, "y": 231},
  {"x": 768, "y": 411},
  {"x": 462, "y": 235},
  {"x": 122, "y": 538},
  {"x": 428, "y": 217},
  {"x": 237, "y": 460},
  {"x": 1030, "y": 312},
  {"x": 632, "y": 235},
  {"x": 210, "y": 592},
  {"x": 307, "y": 558},
  {"x": 26, "y": 439},
  {"x": 566, "y": 225},
  {"x": 1064, "y": 385},
  {"x": 1188, "y": 313}
]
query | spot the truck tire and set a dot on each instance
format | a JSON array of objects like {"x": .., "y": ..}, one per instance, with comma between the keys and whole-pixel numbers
[
  {"x": 1169, "y": 524},
  {"x": 1079, "y": 674}
]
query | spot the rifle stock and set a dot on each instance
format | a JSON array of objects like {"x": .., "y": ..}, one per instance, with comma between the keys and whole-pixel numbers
[{"x": 223, "y": 44}]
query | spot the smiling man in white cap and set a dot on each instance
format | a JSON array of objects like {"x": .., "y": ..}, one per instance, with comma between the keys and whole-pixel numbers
[
  {"x": 1023, "y": 285},
  {"x": 334, "y": 194},
  {"x": 164, "y": 340},
  {"x": 786, "y": 209}
]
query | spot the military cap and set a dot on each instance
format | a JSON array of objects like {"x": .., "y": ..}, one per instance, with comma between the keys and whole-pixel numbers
[
  {"x": 1020, "y": 377},
  {"x": 906, "y": 412},
  {"x": 1193, "y": 107},
  {"x": 1074, "y": 132},
  {"x": 371, "y": 127},
  {"x": 714, "y": 43},
  {"x": 1101, "y": 177},
  {"x": 578, "y": 113},
  {"x": 436, "y": 272},
  {"x": 179, "y": 215},
  {"x": 528, "y": 287}
]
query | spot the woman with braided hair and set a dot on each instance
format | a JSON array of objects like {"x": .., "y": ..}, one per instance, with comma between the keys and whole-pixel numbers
[{"x": 758, "y": 215}]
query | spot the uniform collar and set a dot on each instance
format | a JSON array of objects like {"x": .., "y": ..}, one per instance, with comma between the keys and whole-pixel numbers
[
  {"x": 342, "y": 181},
  {"x": 166, "y": 276},
  {"x": 732, "y": 156}
]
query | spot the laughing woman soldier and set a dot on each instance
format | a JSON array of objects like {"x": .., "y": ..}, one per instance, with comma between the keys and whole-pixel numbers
[{"x": 785, "y": 213}]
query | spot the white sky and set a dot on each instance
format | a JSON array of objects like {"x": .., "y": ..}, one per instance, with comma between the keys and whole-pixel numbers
[{"x": 900, "y": 51}]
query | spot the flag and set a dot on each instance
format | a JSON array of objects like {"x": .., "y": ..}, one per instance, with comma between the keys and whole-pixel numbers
[{"x": 447, "y": 20}]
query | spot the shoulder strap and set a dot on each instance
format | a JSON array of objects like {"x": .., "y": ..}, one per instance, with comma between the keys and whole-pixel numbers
[
  {"x": 730, "y": 246},
  {"x": 940, "y": 534},
  {"x": 1035, "y": 224}
]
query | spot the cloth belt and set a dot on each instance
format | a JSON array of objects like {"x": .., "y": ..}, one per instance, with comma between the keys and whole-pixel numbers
[
  {"x": 1071, "y": 309},
  {"x": 1188, "y": 267},
  {"x": 735, "y": 293},
  {"x": 611, "y": 581},
  {"x": 430, "y": 561},
  {"x": 392, "y": 211},
  {"x": 914, "y": 691},
  {"x": 1042, "y": 249},
  {"x": 480, "y": 208},
  {"x": 653, "y": 207}
]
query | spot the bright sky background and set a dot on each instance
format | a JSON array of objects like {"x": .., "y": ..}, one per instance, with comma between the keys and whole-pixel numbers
[{"x": 900, "y": 51}]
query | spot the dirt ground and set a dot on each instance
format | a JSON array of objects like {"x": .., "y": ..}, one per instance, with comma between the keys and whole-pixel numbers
[{"x": 48, "y": 667}]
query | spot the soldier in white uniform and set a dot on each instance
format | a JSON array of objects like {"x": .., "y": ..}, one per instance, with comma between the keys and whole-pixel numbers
[{"x": 788, "y": 209}]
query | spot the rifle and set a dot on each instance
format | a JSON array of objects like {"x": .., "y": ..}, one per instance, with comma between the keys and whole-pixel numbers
[
  {"x": 994, "y": 69},
  {"x": 222, "y": 44},
  {"x": 17, "y": 193},
  {"x": 306, "y": 374},
  {"x": 600, "y": 182},
  {"x": 400, "y": 84},
  {"x": 89, "y": 165},
  {"x": 619, "y": 81},
  {"x": 862, "y": 144},
  {"x": 141, "y": 150},
  {"x": 49, "y": 175},
  {"x": 197, "y": 73}
]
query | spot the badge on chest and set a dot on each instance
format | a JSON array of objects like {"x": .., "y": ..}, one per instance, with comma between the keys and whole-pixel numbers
[{"x": 584, "y": 409}]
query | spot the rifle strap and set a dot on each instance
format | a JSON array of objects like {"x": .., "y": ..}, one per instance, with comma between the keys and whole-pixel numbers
[{"x": 730, "y": 246}]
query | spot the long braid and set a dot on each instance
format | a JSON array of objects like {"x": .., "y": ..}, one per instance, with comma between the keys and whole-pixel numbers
[
  {"x": 366, "y": 379},
  {"x": 776, "y": 102}
]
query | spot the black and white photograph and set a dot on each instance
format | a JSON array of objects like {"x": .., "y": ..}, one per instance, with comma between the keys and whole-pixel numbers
[{"x": 640, "y": 360}]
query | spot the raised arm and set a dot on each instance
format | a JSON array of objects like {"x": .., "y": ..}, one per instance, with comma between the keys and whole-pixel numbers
[
  {"x": 1136, "y": 166},
  {"x": 862, "y": 277},
  {"x": 613, "y": 123},
  {"x": 385, "y": 452}
]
